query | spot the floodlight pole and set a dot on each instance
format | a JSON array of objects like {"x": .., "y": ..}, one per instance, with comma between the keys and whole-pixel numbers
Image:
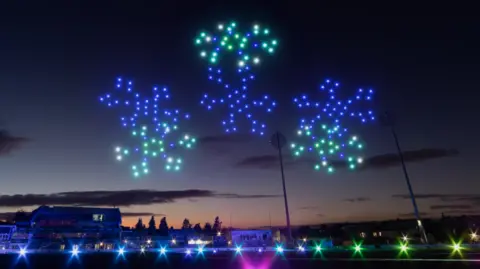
[
  {"x": 278, "y": 141},
  {"x": 389, "y": 121}
]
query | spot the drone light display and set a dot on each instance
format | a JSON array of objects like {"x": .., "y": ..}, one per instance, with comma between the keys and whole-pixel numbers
[
  {"x": 358, "y": 250},
  {"x": 154, "y": 127},
  {"x": 324, "y": 131},
  {"x": 247, "y": 50}
]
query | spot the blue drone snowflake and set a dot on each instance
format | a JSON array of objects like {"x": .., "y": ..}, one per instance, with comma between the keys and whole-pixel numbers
[
  {"x": 155, "y": 129},
  {"x": 246, "y": 49},
  {"x": 325, "y": 131}
]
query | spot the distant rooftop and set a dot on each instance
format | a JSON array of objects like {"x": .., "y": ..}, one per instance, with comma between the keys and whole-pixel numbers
[{"x": 74, "y": 209}]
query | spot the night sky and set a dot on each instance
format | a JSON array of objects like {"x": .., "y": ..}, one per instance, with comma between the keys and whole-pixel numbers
[{"x": 423, "y": 63}]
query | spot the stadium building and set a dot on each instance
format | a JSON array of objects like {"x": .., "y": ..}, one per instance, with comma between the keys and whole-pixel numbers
[
  {"x": 6, "y": 232},
  {"x": 252, "y": 238},
  {"x": 61, "y": 227}
]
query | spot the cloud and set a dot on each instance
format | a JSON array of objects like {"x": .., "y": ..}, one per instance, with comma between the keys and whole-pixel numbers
[
  {"x": 450, "y": 207},
  {"x": 247, "y": 196},
  {"x": 262, "y": 162},
  {"x": 392, "y": 159},
  {"x": 272, "y": 162},
  {"x": 421, "y": 196},
  {"x": 141, "y": 214},
  {"x": 375, "y": 162},
  {"x": 461, "y": 212},
  {"x": 116, "y": 198},
  {"x": 465, "y": 198},
  {"x": 8, "y": 143},
  {"x": 223, "y": 144},
  {"x": 308, "y": 208},
  {"x": 224, "y": 139},
  {"x": 320, "y": 215},
  {"x": 357, "y": 199},
  {"x": 412, "y": 215}
]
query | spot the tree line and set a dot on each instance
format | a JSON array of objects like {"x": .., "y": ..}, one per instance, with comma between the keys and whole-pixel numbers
[{"x": 163, "y": 228}]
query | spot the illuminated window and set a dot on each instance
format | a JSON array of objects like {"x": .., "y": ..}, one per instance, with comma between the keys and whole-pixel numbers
[
  {"x": 362, "y": 234},
  {"x": 98, "y": 217},
  {"x": 374, "y": 234}
]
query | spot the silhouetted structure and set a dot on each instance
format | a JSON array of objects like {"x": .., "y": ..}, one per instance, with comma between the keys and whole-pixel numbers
[{"x": 48, "y": 225}]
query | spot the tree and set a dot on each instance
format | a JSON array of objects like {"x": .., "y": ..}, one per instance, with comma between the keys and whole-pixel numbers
[
  {"x": 217, "y": 225},
  {"x": 139, "y": 226},
  {"x": 9, "y": 142},
  {"x": 304, "y": 231},
  {"x": 186, "y": 225},
  {"x": 151, "y": 226},
  {"x": 197, "y": 228},
  {"x": 20, "y": 216},
  {"x": 208, "y": 228},
  {"x": 163, "y": 227}
]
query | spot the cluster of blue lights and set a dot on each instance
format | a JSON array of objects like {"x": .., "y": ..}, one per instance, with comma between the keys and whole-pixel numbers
[
  {"x": 121, "y": 251},
  {"x": 325, "y": 132},
  {"x": 154, "y": 127},
  {"x": 247, "y": 49},
  {"x": 357, "y": 249}
]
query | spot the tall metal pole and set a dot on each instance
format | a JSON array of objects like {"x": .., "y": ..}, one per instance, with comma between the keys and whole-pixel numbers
[
  {"x": 390, "y": 122},
  {"x": 270, "y": 219},
  {"x": 278, "y": 141}
]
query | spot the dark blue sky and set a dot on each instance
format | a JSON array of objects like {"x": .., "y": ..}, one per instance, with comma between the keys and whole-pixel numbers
[{"x": 55, "y": 60}]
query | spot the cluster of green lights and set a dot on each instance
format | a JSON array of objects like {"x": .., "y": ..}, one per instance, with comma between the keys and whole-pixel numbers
[
  {"x": 153, "y": 147},
  {"x": 403, "y": 247},
  {"x": 173, "y": 164},
  {"x": 187, "y": 141},
  {"x": 154, "y": 127},
  {"x": 330, "y": 146},
  {"x": 228, "y": 39}
]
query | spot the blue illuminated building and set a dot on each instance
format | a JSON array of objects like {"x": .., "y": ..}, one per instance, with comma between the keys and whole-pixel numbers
[
  {"x": 252, "y": 238},
  {"x": 6, "y": 232},
  {"x": 61, "y": 227}
]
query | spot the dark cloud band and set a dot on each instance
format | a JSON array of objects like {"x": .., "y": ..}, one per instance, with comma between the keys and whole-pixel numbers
[
  {"x": 9, "y": 142},
  {"x": 357, "y": 199},
  {"x": 374, "y": 162},
  {"x": 117, "y": 198}
]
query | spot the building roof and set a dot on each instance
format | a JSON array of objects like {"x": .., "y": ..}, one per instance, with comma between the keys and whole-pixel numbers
[
  {"x": 76, "y": 209},
  {"x": 111, "y": 214},
  {"x": 6, "y": 229}
]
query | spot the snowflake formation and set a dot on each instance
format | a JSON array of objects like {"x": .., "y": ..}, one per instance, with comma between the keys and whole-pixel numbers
[
  {"x": 324, "y": 132},
  {"x": 154, "y": 129},
  {"x": 247, "y": 50}
]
